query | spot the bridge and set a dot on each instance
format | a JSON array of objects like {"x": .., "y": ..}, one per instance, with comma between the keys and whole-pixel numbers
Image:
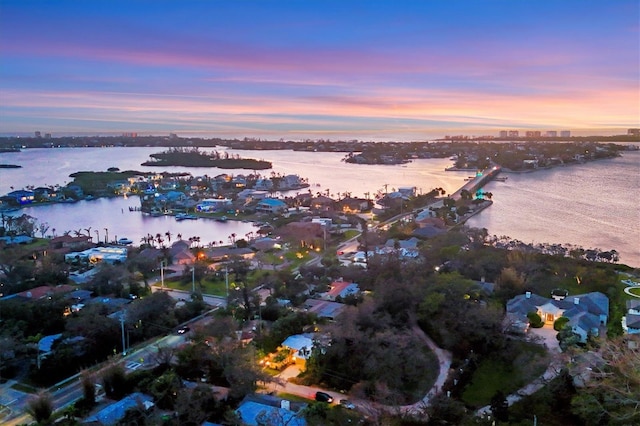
[{"x": 478, "y": 182}]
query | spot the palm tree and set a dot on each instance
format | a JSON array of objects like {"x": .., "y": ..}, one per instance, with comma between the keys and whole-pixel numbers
[
  {"x": 179, "y": 236},
  {"x": 168, "y": 235},
  {"x": 88, "y": 231}
]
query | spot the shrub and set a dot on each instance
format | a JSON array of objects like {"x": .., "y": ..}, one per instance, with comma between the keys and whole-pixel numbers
[
  {"x": 560, "y": 323},
  {"x": 534, "y": 320}
]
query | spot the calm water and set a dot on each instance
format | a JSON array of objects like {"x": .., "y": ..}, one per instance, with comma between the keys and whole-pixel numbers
[{"x": 593, "y": 205}]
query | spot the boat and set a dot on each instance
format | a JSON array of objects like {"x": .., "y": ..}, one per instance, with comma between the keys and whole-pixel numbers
[
  {"x": 501, "y": 179},
  {"x": 222, "y": 219},
  {"x": 185, "y": 216},
  {"x": 125, "y": 241}
]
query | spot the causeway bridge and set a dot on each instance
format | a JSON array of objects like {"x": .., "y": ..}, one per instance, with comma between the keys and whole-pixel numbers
[{"x": 478, "y": 182}]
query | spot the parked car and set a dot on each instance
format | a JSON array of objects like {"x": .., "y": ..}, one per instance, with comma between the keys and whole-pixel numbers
[
  {"x": 324, "y": 397},
  {"x": 183, "y": 330}
]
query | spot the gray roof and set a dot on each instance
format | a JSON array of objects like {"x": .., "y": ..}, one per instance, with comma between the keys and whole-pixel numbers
[
  {"x": 594, "y": 303},
  {"x": 111, "y": 414},
  {"x": 633, "y": 321},
  {"x": 252, "y": 414}
]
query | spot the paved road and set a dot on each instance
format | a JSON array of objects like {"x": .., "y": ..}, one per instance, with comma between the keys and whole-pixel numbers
[
  {"x": 71, "y": 391},
  {"x": 367, "y": 407}
]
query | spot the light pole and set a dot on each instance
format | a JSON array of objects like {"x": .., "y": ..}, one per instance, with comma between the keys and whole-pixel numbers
[
  {"x": 162, "y": 273},
  {"x": 193, "y": 279},
  {"x": 106, "y": 236},
  {"x": 124, "y": 347},
  {"x": 226, "y": 281}
]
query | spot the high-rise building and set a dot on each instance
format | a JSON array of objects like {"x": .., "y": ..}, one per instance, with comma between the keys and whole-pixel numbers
[
  {"x": 533, "y": 133},
  {"x": 47, "y": 135},
  {"x": 565, "y": 133},
  {"x": 633, "y": 132},
  {"x": 551, "y": 134},
  {"x": 504, "y": 134},
  {"x": 38, "y": 134},
  {"x": 514, "y": 134}
]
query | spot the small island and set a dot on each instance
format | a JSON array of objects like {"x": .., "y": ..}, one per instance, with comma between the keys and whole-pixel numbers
[{"x": 193, "y": 157}]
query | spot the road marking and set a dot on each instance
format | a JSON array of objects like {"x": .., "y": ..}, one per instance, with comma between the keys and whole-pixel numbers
[{"x": 133, "y": 365}]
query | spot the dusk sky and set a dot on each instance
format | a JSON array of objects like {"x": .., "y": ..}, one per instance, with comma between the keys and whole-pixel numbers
[{"x": 371, "y": 70}]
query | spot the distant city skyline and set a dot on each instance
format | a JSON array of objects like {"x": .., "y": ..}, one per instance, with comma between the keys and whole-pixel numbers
[{"x": 319, "y": 69}]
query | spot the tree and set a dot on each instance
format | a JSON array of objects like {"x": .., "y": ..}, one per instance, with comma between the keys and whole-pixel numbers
[
  {"x": 114, "y": 381},
  {"x": 612, "y": 395},
  {"x": 88, "y": 388},
  {"x": 500, "y": 406},
  {"x": 40, "y": 408}
]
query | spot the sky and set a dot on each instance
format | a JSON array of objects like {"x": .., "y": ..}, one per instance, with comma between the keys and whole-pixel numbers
[{"x": 368, "y": 70}]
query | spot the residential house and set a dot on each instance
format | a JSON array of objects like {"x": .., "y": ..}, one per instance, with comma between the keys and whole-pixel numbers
[
  {"x": 211, "y": 205},
  {"x": 75, "y": 190},
  {"x": 44, "y": 292},
  {"x": 109, "y": 254},
  {"x": 44, "y": 194},
  {"x": 586, "y": 312},
  {"x": 324, "y": 308},
  {"x": 22, "y": 197},
  {"x": 271, "y": 205},
  {"x": 272, "y": 411},
  {"x": 323, "y": 203},
  {"x": 341, "y": 289},
  {"x": 300, "y": 346},
  {"x": 263, "y": 185},
  {"x": 112, "y": 414},
  {"x": 631, "y": 321},
  {"x": 67, "y": 242},
  {"x": 353, "y": 205}
]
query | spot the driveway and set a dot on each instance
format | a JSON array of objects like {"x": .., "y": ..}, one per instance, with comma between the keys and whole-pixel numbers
[{"x": 548, "y": 335}]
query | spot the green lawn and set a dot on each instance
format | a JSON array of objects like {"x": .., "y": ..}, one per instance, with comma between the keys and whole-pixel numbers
[
  {"x": 635, "y": 291},
  {"x": 495, "y": 374}
]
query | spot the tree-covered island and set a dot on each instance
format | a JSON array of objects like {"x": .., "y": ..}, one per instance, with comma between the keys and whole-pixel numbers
[{"x": 193, "y": 157}]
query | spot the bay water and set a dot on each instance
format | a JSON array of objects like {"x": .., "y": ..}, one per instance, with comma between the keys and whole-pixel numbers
[{"x": 593, "y": 205}]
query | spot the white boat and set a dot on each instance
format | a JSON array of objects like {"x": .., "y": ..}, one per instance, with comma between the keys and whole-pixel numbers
[{"x": 125, "y": 241}]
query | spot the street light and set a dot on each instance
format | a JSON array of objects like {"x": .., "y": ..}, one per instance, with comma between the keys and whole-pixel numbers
[
  {"x": 162, "y": 273},
  {"x": 193, "y": 279}
]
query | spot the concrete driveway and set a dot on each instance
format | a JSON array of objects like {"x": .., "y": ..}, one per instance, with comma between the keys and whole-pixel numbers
[{"x": 548, "y": 336}]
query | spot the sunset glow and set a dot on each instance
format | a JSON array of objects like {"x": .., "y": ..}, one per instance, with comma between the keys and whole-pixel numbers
[{"x": 297, "y": 69}]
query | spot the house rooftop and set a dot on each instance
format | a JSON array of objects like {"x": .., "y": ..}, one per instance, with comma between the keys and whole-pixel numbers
[{"x": 113, "y": 413}]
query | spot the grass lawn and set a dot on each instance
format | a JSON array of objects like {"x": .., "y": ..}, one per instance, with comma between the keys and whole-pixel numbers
[
  {"x": 495, "y": 373},
  {"x": 215, "y": 287},
  {"x": 24, "y": 388},
  {"x": 635, "y": 291},
  {"x": 294, "y": 398}
]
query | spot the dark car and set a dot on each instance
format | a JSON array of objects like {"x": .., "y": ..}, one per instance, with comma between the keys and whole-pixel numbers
[
  {"x": 324, "y": 397},
  {"x": 183, "y": 330}
]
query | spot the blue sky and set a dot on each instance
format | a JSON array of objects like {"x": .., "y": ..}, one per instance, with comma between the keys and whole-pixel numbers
[{"x": 382, "y": 70}]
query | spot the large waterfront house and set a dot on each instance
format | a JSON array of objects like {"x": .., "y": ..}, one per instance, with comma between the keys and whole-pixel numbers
[
  {"x": 107, "y": 254},
  {"x": 271, "y": 205},
  {"x": 22, "y": 197},
  {"x": 211, "y": 205},
  {"x": 586, "y": 312}
]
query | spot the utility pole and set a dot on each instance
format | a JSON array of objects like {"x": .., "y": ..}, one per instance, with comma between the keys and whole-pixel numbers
[
  {"x": 193, "y": 279},
  {"x": 162, "y": 274},
  {"x": 124, "y": 347},
  {"x": 226, "y": 281}
]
